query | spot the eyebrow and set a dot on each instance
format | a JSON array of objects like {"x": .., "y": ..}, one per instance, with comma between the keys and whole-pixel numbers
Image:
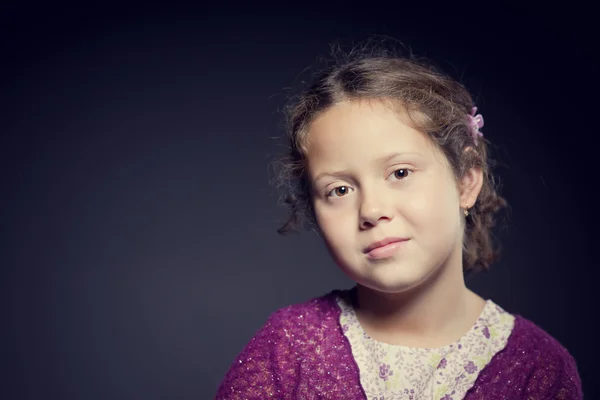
[
  {"x": 389, "y": 157},
  {"x": 380, "y": 160}
]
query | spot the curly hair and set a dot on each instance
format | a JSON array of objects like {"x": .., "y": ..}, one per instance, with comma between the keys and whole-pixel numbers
[{"x": 429, "y": 100}]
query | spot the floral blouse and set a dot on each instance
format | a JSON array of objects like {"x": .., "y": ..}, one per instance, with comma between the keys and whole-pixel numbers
[{"x": 393, "y": 372}]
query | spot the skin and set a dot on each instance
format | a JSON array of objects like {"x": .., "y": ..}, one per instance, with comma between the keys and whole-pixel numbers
[{"x": 374, "y": 177}]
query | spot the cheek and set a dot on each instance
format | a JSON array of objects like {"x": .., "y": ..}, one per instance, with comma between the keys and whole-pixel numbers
[
  {"x": 335, "y": 222},
  {"x": 434, "y": 210}
]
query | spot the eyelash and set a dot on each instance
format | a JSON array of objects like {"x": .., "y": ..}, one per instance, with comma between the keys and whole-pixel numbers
[{"x": 329, "y": 194}]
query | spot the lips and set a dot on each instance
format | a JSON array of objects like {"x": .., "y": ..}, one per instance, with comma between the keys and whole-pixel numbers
[{"x": 383, "y": 243}]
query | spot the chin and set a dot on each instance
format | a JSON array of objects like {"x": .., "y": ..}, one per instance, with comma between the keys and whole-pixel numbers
[
  {"x": 399, "y": 286},
  {"x": 391, "y": 278}
]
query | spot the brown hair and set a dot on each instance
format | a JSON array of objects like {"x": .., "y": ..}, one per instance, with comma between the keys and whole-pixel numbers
[{"x": 429, "y": 100}]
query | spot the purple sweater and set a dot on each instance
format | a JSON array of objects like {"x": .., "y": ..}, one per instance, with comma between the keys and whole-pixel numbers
[{"x": 302, "y": 353}]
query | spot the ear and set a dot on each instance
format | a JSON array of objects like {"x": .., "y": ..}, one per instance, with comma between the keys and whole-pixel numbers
[{"x": 470, "y": 186}]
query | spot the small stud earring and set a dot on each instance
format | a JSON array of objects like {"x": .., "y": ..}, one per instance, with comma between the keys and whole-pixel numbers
[{"x": 466, "y": 211}]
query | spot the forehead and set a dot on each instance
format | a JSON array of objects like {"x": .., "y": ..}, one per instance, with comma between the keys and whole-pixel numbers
[{"x": 355, "y": 131}]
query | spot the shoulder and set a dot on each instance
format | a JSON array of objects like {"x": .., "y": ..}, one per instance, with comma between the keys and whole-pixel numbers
[
  {"x": 548, "y": 366},
  {"x": 270, "y": 363},
  {"x": 528, "y": 342},
  {"x": 318, "y": 312},
  {"x": 538, "y": 345}
]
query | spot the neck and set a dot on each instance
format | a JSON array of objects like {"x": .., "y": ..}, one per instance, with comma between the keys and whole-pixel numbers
[{"x": 437, "y": 312}]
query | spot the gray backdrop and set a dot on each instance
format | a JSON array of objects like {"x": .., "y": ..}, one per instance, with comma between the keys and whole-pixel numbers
[{"x": 139, "y": 250}]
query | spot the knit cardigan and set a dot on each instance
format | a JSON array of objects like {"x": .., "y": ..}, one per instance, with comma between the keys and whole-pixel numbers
[{"x": 302, "y": 353}]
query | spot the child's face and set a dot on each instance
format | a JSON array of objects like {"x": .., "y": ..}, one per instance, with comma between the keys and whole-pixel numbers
[{"x": 374, "y": 178}]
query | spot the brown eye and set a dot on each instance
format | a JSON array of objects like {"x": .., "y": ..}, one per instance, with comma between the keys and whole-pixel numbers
[
  {"x": 339, "y": 191},
  {"x": 401, "y": 173}
]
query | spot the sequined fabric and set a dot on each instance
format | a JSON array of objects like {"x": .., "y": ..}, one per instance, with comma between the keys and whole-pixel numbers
[{"x": 301, "y": 353}]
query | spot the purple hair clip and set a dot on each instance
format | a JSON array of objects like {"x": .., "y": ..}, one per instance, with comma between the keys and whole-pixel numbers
[{"x": 475, "y": 123}]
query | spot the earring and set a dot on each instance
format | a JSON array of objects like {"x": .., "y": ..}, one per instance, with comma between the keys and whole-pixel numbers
[{"x": 466, "y": 210}]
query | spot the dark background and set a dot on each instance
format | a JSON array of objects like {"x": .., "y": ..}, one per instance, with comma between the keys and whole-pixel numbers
[{"x": 139, "y": 250}]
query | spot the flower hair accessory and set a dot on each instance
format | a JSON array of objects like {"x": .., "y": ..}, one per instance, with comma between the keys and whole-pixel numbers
[{"x": 475, "y": 123}]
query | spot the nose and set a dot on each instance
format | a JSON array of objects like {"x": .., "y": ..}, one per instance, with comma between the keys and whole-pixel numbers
[{"x": 373, "y": 211}]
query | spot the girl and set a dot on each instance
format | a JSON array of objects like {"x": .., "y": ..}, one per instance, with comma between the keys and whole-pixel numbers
[{"x": 388, "y": 159}]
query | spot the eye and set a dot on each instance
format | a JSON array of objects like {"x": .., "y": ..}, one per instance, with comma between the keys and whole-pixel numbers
[
  {"x": 401, "y": 173},
  {"x": 339, "y": 191}
]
